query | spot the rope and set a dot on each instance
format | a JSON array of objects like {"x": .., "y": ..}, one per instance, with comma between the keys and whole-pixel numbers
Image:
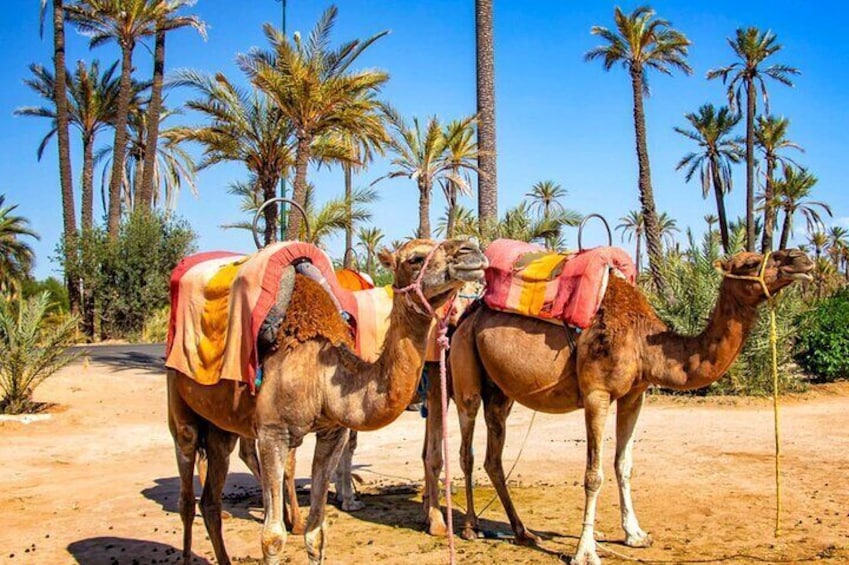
[{"x": 773, "y": 342}]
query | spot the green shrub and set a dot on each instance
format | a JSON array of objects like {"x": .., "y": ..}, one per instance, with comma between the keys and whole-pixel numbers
[
  {"x": 823, "y": 345},
  {"x": 31, "y": 349},
  {"x": 155, "y": 328}
]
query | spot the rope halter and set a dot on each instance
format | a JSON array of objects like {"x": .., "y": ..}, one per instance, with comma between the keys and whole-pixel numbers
[
  {"x": 416, "y": 287},
  {"x": 759, "y": 278}
]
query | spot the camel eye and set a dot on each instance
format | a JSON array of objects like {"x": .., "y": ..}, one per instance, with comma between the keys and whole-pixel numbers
[{"x": 416, "y": 260}]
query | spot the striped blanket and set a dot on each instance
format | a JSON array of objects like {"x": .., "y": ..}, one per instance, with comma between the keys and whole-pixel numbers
[{"x": 560, "y": 287}]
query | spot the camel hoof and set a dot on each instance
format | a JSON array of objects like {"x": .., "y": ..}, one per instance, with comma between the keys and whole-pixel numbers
[
  {"x": 225, "y": 515},
  {"x": 586, "y": 558},
  {"x": 437, "y": 529},
  {"x": 469, "y": 534},
  {"x": 353, "y": 505},
  {"x": 299, "y": 529},
  {"x": 527, "y": 539},
  {"x": 640, "y": 539}
]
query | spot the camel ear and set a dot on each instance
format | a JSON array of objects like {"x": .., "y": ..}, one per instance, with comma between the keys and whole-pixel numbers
[
  {"x": 722, "y": 266},
  {"x": 387, "y": 259}
]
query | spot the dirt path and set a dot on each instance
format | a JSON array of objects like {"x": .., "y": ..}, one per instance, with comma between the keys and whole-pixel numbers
[{"x": 96, "y": 484}]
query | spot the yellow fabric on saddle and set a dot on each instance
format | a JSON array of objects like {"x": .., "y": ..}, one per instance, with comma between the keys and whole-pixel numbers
[
  {"x": 538, "y": 274},
  {"x": 214, "y": 321}
]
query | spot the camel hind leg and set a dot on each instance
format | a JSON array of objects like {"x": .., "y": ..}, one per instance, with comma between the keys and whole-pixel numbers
[
  {"x": 328, "y": 448},
  {"x": 627, "y": 412},
  {"x": 219, "y": 446},
  {"x": 432, "y": 456},
  {"x": 343, "y": 479}
]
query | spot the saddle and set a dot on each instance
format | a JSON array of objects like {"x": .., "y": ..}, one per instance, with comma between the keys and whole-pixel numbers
[{"x": 564, "y": 288}]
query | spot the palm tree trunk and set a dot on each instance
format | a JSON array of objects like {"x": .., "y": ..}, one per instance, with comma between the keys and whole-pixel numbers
[
  {"x": 638, "y": 253},
  {"x": 145, "y": 196},
  {"x": 750, "y": 164},
  {"x": 487, "y": 179},
  {"x": 769, "y": 210},
  {"x": 348, "y": 257},
  {"x": 88, "y": 183},
  {"x": 113, "y": 219},
  {"x": 299, "y": 187},
  {"x": 785, "y": 230},
  {"x": 69, "y": 215},
  {"x": 653, "y": 244},
  {"x": 138, "y": 165},
  {"x": 424, "y": 209},
  {"x": 269, "y": 190},
  {"x": 452, "y": 210},
  {"x": 720, "y": 205}
]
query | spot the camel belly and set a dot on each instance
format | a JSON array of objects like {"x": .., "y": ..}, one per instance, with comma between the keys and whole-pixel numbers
[
  {"x": 531, "y": 361},
  {"x": 228, "y": 405}
]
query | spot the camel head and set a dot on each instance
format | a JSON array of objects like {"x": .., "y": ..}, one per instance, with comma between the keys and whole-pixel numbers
[
  {"x": 452, "y": 263},
  {"x": 782, "y": 268}
]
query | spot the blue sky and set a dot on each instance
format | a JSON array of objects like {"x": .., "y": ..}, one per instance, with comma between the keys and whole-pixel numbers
[{"x": 558, "y": 117}]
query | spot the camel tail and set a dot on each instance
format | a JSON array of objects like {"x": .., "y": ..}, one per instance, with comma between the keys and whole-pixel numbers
[{"x": 201, "y": 458}]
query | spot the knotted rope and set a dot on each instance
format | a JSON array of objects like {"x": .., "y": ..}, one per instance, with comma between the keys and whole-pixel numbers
[
  {"x": 773, "y": 342},
  {"x": 443, "y": 343}
]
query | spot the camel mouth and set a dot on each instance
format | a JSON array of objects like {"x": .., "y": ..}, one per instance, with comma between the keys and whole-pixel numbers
[
  {"x": 468, "y": 273},
  {"x": 807, "y": 277}
]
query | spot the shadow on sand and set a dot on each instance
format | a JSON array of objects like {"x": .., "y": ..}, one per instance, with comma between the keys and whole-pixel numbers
[
  {"x": 107, "y": 550},
  {"x": 242, "y": 495}
]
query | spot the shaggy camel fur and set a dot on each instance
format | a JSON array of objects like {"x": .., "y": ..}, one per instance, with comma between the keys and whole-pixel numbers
[
  {"x": 313, "y": 382},
  {"x": 499, "y": 358}
]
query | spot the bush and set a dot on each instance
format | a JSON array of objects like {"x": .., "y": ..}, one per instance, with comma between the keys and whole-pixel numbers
[
  {"x": 155, "y": 328},
  {"x": 31, "y": 350},
  {"x": 823, "y": 345}
]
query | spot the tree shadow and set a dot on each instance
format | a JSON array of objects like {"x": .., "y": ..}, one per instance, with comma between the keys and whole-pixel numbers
[
  {"x": 106, "y": 550},
  {"x": 148, "y": 358}
]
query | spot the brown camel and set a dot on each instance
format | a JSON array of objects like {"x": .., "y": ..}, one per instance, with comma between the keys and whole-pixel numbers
[
  {"x": 312, "y": 382},
  {"x": 499, "y": 358}
]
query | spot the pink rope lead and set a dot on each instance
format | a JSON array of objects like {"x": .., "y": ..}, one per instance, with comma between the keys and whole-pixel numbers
[{"x": 443, "y": 343}]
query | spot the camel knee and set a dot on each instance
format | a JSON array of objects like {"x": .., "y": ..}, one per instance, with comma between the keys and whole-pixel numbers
[
  {"x": 467, "y": 460},
  {"x": 593, "y": 480},
  {"x": 273, "y": 538}
]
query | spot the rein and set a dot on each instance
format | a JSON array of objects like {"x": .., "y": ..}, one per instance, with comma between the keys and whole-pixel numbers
[
  {"x": 773, "y": 342},
  {"x": 443, "y": 343}
]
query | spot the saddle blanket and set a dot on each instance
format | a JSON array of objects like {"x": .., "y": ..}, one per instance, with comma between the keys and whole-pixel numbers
[{"x": 561, "y": 287}]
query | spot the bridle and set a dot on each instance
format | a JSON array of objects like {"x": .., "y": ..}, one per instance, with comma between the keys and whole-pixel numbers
[
  {"x": 759, "y": 278},
  {"x": 416, "y": 287}
]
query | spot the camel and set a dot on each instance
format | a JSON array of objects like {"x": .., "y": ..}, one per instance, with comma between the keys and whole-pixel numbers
[
  {"x": 313, "y": 382},
  {"x": 501, "y": 358}
]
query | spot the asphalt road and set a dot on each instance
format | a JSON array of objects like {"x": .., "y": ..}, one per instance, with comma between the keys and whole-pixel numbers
[{"x": 138, "y": 356}]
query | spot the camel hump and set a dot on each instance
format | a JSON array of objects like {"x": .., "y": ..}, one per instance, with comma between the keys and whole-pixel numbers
[{"x": 312, "y": 313}]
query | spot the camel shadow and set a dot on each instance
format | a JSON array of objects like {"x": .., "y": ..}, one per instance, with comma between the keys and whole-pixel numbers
[
  {"x": 242, "y": 496},
  {"x": 106, "y": 550}
]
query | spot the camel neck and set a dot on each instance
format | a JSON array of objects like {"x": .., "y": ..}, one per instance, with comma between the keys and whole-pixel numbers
[
  {"x": 692, "y": 362},
  {"x": 381, "y": 390}
]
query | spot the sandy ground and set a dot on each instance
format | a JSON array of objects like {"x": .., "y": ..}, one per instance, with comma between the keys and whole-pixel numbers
[{"x": 96, "y": 484}]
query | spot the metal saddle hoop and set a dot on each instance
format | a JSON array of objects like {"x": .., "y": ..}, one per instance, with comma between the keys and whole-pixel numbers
[
  {"x": 581, "y": 230},
  {"x": 265, "y": 204}
]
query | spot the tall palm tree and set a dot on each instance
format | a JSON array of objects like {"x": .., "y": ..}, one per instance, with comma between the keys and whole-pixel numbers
[
  {"x": 668, "y": 227},
  {"x": 717, "y": 152},
  {"x": 313, "y": 87},
  {"x": 545, "y": 197},
  {"x": 60, "y": 100},
  {"x": 243, "y": 127},
  {"x": 791, "y": 193},
  {"x": 15, "y": 255},
  {"x": 370, "y": 240},
  {"x": 92, "y": 107},
  {"x": 633, "y": 226},
  {"x": 752, "y": 47},
  {"x": 168, "y": 20},
  {"x": 463, "y": 157},
  {"x": 125, "y": 22},
  {"x": 818, "y": 239},
  {"x": 485, "y": 66},
  {"x": 641, "y": 42},
  {"x": 838, "y": 240},
  {"x": 771, "y": 138}
]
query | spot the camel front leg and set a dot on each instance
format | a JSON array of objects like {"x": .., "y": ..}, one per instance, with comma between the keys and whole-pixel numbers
[
  {"x": 596, "y": 407},
  {"x": 467, "y": 410},
  {"x": 342, "y": 479},
  {"x": 328, "y": 448},
  {"x": 273, "y": 444},
  {"x": 627, "y": 412},
  {"x": 432, "y": 457}
]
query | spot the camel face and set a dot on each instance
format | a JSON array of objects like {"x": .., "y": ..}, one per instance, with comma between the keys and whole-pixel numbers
[
  {"x": 453, "y": 263},
  {"x": 782, "y": 268}
]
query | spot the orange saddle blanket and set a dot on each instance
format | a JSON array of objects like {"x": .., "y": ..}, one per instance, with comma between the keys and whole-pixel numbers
[{"x": 568, "y": 287}]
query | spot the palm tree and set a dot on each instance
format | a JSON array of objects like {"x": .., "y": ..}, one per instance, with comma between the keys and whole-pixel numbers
[
  {"x": 485, "y": 59},
  {"x": 545, "y": 196},
  {"x": 312, "y": 86},
  {"x": 466, "y": 223},
  {"x": 92, "y": 106},
  {"x": 168, "y": 20},
  {"x": 771, "y": 137},
  {"x": 668, "y": 227},
  {"x": 125, "y": 22},
  {"x": 633, "y": 226},
  {"x": 639, "y": 43},
  {"x": 243, "y": 127},
  {"x": 818, "y": 240},
  {"x": 838, "y": 240},
  {"x": 463, "y": 156},
  {"x": 370, "y": 240},
  {"x": 711, "y": 131},
  {"x": 60, "y": 101},
  {"x": 752, "y": 47},
  {"x": 791, "y": 193},
  {"x": 334, "y": 215},
  {"x": 15, "y": 255}
]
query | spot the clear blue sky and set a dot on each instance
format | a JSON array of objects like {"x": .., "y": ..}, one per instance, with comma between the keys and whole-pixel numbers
[{"x": 558, "y": 117}]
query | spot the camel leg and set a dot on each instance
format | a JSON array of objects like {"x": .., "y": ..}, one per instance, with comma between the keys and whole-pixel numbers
[
  {"x": 342, "y": 479},
  {"x": 328, "y": 448},
  {"x": 467, "y": 410},
  {"x": 596, "y": 407},
  {"x": 432, "y": 459},
  {"x": 247, "y": 453},
  {"x": 291, "y": 510},
  {"x": 219, "y": 445},
  {"x": 273, "y": 445},
  {"x": 496, "y": 409},
  {"x": 627, "y": 413}
]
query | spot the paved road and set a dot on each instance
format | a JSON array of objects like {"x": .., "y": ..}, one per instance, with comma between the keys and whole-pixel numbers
[{"x": 137, "y": 356}]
